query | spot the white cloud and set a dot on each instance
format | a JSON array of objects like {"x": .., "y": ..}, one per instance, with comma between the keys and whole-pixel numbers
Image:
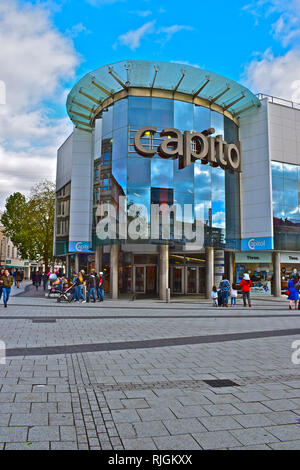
[
  {"x": 169, "y": 31},
  {"x": 277, "y": 76},
  {"x": 35, "y": 60},
  {"x": 133, "y": 38},
  {"x": 76, "y": 30},
  {"x": 100, "y": 3},
  {"x": 142, "y": 13}
]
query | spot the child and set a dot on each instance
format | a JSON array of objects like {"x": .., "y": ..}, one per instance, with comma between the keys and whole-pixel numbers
[
  {"x": 214, "y": 296},
  {"x": 233, "y": 294}
]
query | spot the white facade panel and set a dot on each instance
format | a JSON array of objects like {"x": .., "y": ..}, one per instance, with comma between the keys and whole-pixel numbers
[{"x": 256, "y": 185}]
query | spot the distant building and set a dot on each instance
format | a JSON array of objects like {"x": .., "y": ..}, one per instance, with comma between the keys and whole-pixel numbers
[{"x": 9, "y": 257}]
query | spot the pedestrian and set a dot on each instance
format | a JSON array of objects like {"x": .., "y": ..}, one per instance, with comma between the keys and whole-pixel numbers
[
  {"x": 18, "y": 278},
  {"x": 214, "y": 296},
  {"x": 33, "y": 275},
  {"x": 100, "y": 286},
  {"x": 245, "y": 286},
  {"x": 233, "y": 294},
  {"x": 79, "y": 288},
  {"x": 293, "y": 293},
  {"x": 91, "y": 286},
  {"x": 45, "y": 280},
  {"x": 1, "y": 281},
  {"x": 37, "y": 280},
  {"x": 8, "y": 281},
  {"x": 14, "y": 277},
  {"x": 225, "y": 289}
]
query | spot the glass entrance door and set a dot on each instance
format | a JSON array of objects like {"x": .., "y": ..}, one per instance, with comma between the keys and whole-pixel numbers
[
  {"x": 151, "y": 279},
  {"x": 191, "y": 280},
  {"x": 140, "y": 285},
  {"x": 177, "y": 281}
]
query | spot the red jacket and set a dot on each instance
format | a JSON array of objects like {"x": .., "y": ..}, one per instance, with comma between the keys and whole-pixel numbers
[{"x": 245, "y": 285}]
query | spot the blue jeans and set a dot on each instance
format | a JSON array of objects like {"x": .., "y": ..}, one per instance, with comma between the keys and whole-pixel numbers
[
  {"x": 100, "y": 293},
  {"x": 79, "y": 293},
  {"x": 233, "y": 300},
  {"x": 37, "y": 283},
  {"x": 225, "y": 294},
  {"x": 91, "y": 291},
  {"x": 6, "y": 292}
]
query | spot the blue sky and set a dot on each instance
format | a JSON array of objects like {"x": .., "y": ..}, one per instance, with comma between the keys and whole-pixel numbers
[{"x": 47, "y": 45}]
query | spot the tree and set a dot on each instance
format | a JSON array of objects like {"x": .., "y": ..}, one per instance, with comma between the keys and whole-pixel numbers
[{"x": 29, "y": 222}]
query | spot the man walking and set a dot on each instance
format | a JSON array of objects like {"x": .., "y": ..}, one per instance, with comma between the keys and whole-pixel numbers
[
  {"x": 8, "y": 281},
  {"x": 18, "y": 277},
  {"x": 91, "y": 286},
  {"x": 100, "y": 287},
  {"x": 225, "y": 288}
]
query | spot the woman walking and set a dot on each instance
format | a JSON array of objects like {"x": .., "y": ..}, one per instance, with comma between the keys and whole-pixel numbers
[{"x": 294, "y": 294}]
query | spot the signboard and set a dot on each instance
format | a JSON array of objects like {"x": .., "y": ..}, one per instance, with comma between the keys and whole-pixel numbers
[
  {"x": 256, "y": 244},
  {"x": 79, "y": 247},
  {"x": 8, "y": 261},
  {"x": 253, "y": 257},
  {"x": 290, "y": 258},
  {"x": 261, "y": 288}
]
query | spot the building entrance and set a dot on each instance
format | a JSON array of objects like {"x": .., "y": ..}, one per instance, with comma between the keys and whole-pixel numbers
[{"x": 145, "y": 279}]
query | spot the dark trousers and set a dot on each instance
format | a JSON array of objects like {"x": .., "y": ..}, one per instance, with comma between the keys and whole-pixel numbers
[{"x": 246, "y": 296}]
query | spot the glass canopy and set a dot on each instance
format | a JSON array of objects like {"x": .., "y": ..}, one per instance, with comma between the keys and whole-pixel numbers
[{"x": 95, "y": 87}]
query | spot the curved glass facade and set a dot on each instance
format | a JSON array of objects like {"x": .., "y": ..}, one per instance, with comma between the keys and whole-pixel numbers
[{"x": 120, "y": 171}]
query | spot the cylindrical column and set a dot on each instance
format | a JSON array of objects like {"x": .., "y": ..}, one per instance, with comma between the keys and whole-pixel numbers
[
  {"x": 68, "y": 274},
  {"x": 114, "y": 271},
  {"x": 163, "y": 271},
  {"x": 209, "y": 270},
  {"x": 98, "y": 258},
  {"x": 76, "y": 263},
  {"x": 231, "y": 266},
  {"x": 277, "y": 274}
]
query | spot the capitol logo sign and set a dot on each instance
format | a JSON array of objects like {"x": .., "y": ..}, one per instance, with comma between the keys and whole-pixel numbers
[
  {"x": 82, "y": 246},
  {"x": 253, "y": 244}
]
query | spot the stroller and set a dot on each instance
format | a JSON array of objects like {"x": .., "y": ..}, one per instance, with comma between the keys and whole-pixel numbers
[{"x": 66, "y": 296}]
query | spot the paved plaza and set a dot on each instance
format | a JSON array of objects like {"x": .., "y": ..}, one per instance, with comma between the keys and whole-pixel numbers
[{"x": 136, "y": 375}]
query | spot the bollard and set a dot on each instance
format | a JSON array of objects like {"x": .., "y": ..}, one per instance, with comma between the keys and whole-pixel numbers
[{"x": 168, "y": 295}]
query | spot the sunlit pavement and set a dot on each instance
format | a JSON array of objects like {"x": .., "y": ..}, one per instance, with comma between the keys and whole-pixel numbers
[{"x": 132, "y": 375}]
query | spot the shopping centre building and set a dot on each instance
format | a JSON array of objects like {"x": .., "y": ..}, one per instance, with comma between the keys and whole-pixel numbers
[{"x": 221, "y": 164}]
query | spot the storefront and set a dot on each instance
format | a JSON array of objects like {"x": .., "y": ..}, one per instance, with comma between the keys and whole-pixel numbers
[
  {"x": 289, "y": 264},
  {"x": 259, "y": 266}
]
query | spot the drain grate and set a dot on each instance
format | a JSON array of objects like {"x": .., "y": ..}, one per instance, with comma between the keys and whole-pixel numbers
[{"x": 221, "y": 383}]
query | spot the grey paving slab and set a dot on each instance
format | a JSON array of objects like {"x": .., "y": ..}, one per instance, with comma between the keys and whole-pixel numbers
[
  {"x": 30, "y": 419},
  {"x": 139, "y": 444},
  {"x": 44, "y": 433},
  {"x": 183, "y": 426},
  {"x": 13, "y": 434},
  {"x": 183, "y": 441},
  {"x": 289, "y": 432},
  {"x": 254, "y": 420},
  {"x": 254, "y": 436},
  {"x": 216, "y": 440},
  {"x": 219, "y": 423},
  {"x": 27, "y": 446}
]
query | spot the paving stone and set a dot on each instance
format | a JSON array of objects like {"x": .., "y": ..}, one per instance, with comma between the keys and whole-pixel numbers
[
  {"x": 183, "y": 426},
  {"x": 68, "y": 433},
  {"x": 13, "y": 434},
  {"x": 139, "y": 444},
  {"x": 283, "y": 417},
  {"x": 289, "y": 432},
  {"x": 44, "y": 433},
  {"x": 290, "y": 445},
  {"x": 221, "y": 410},
  {"x": 216, "y": 440},
  {"x": 31, "y": 419},
  {"x": 253, "y": 420},
  {"x": 252, "y": 408},
  {"x": 185, "y": 442},
  {"x": 27, "y": 446},
  {"x": 253, "y": 436},
  {"x": 219, "y": 423},
  {"x": 281, "y": 405},
  {"x": 4, "y": 419},
  {"x": 61, "y": 419}
]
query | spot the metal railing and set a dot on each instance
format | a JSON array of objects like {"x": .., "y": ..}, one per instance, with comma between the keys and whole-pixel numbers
[{"x": 276, "y": 100}]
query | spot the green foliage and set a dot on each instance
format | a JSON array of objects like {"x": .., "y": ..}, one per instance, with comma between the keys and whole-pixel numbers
[{"x": 29, "y": 222}]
